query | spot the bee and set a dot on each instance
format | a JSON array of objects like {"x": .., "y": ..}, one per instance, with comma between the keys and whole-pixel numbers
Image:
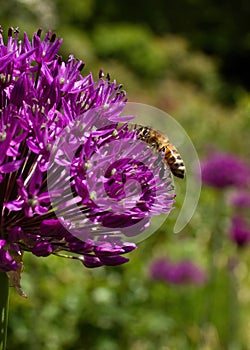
[{"x": 162, "y": 144}]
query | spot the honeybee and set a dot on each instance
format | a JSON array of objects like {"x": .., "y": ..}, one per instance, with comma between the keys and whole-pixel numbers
[{"x": 162, "y": 144}]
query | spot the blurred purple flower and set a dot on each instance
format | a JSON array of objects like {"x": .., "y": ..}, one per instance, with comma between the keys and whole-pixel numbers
[
  {"x": 222, "y": 170},
  {"x": 43, "y": 98},
  {"x": 182, "y": 272},
  {"x": 240, "y": 199},
  {"x": 240, "y": 231}
]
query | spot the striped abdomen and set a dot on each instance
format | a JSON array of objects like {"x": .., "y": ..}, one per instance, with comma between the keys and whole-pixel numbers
[{"x": 160, "y": 142}]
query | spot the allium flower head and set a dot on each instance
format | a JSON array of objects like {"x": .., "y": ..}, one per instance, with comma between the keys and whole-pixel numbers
[
  {"x": 240, "y": 199},
  {"x": 222, "y": 170},
  {"x": 182, "y": 272},
  {"x": 240, "y": 231},
  {"x": 71, "y": 178}
]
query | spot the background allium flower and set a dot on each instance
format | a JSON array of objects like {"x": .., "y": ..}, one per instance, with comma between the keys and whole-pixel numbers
[
  {"x": 222, "y": 170},
  {"x": 240, "y": 199},
  {"x": 58, "y": 131},
  {"x": 182, "y": 272},
  {"x": 240, "y": 231}
]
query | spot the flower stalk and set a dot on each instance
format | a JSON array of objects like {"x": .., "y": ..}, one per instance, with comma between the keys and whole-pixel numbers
[{"x": 4, "y": 307}]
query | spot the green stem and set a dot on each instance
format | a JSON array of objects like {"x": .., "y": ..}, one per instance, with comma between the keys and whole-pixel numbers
[
  {"x": 4, "y": 307},
  {"x": 233, "y": 308}
]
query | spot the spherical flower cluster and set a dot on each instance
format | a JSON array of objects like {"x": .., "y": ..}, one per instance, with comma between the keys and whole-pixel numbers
[
  {"x": 240, "y": 199},
  {"x": 223, "y": 170},
  {"x": 240, "y": 231},
  {"x": 181, "y": 272},
  {"x": 61, "y": 150}
]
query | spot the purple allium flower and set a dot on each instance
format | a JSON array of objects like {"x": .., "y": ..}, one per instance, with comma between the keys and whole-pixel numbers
[
  {"x": 240, "y": 199},
  {"x": 71, "y": 178},
  {"x": 240, "y": 231},
  {"x": 222, "y": 170},
  {"x": 182, "y": 272}
]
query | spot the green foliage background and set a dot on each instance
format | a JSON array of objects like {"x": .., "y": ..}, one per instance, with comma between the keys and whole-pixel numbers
[{"x": 189, "y": 58}]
